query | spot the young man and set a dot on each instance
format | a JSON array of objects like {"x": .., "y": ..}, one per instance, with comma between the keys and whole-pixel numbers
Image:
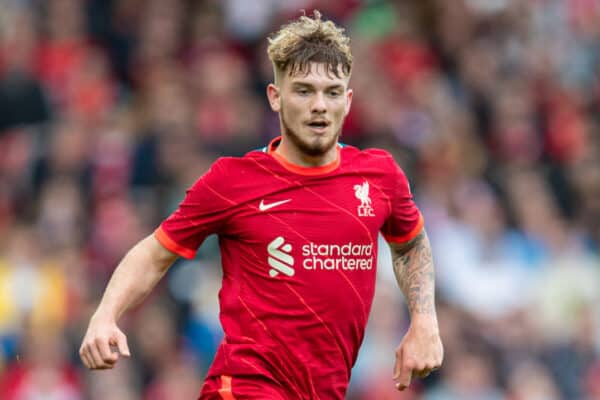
[{"x": 297, "y": 224}]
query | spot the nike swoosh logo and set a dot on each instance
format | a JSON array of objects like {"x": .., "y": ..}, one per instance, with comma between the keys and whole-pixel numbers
[{"x": 264, "y": 207}]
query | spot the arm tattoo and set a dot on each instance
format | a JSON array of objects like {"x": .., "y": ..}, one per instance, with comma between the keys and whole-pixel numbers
[{"x": 413, "y": 266}]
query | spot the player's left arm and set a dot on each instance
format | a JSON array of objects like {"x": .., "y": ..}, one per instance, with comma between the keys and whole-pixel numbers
[{"x": 421, "y": 350}]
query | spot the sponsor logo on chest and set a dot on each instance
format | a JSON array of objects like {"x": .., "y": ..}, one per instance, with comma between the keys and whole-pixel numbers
[{"x": 318, "y": 257}]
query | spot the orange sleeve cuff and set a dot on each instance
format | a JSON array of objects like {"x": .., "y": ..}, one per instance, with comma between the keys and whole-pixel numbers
[
  {"x": 410, "y": 235},
  {"x": 171, "y": 245}
]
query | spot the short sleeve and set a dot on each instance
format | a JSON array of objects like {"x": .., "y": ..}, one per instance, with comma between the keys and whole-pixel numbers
[
  {"x": 202, "y": 212},
  {"x": 405, "y": 221}
]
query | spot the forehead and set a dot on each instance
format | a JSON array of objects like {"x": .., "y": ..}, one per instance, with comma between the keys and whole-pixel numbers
[{"x": 318, "y": 75}]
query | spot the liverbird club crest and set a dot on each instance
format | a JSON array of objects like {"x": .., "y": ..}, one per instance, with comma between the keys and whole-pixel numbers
[{"x": 362, "y": 193}]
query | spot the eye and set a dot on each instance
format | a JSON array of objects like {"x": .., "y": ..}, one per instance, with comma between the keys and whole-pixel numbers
[
  {"x": 302, "y": 91},
  {"x": 335, "y": 93}
]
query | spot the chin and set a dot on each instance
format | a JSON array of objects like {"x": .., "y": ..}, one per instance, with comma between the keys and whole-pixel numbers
[
  {"x": 309, "y": 142},
  {"x": 321, "y": 143}
]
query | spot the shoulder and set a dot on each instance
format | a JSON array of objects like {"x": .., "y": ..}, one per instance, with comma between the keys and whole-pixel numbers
[
  {"x": 372, "y": 157},
  {"x": 370, "y": 153},
  {"x": 233, "y": 165},
  {"x": 223, "y": 169},
  {"x": 226, "y": 171}
]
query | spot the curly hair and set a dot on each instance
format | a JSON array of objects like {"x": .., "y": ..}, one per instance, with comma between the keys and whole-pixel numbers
[{"x": 307, "y": 40}]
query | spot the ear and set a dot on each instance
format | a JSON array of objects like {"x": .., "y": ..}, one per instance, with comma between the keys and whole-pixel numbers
[
  {"x": 274, "y": 97},
  {"x": 349, "y": 94}
]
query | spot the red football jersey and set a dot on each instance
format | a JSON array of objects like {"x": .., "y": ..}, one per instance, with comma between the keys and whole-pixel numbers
[{"x": 299, "y": 255}]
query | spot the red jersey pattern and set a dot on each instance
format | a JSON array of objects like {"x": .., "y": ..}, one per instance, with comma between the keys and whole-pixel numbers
[{"x": 299, "y": 248}]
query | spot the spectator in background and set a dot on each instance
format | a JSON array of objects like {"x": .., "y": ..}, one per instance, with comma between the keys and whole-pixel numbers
[
  {"x": 497, "y": 100},
  {"x": 22, "y": 99}
]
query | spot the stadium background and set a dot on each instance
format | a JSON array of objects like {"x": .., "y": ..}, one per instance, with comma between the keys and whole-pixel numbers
[{"x": 110, "y": 109}]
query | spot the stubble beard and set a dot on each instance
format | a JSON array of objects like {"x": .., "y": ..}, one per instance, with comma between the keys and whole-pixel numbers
[{"x": 315, "y": 148}]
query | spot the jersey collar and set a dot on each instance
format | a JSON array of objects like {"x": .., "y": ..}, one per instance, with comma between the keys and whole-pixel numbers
[{"x": 298, "y": 169}]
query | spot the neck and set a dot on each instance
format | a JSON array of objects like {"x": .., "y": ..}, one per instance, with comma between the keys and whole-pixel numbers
[{"x": 295, "y": 156}]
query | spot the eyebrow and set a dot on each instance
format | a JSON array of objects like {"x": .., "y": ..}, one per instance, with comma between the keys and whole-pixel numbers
[{"x": 310, "y": 85}]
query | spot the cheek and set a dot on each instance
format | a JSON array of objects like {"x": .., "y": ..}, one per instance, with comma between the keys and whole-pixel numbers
[
  {"x": 296, "y": 106},
  {"x": 292, "y": 111},
  {"x": 340, "y": 112}
]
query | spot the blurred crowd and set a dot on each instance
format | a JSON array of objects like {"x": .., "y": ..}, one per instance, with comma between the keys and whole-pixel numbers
[{"x": 109, "y": 110}]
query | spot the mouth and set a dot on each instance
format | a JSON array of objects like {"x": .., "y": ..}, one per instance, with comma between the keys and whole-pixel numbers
[{"x": 318, "y": 125}]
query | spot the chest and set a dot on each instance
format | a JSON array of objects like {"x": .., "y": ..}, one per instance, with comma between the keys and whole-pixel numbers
[
  {"x": 336, "y": 210},
  {"x": 318, "y": 235}
]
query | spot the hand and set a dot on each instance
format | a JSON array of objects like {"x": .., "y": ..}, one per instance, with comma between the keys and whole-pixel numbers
[
  {"x": 101, "y": 335},
  {"x": 420, "y": 352}
]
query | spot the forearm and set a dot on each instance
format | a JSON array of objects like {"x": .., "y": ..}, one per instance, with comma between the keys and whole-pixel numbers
[
  {"x": 413, "y": 267},
  {"x": 135, "y": 276}
]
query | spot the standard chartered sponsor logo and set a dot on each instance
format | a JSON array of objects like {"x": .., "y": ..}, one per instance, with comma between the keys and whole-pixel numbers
[
  {"x": 346, "y": 257},
  {"x": 279, "y": 258}
]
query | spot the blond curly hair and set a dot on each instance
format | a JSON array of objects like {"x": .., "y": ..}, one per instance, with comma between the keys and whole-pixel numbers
[{"x": 306, "y": 40}]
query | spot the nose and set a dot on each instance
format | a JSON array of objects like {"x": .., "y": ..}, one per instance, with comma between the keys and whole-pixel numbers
[{"x": 318, "y": 106}]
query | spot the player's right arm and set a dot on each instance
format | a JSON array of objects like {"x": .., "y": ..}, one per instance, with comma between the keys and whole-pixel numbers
[
  {"x": 200, "y": 214},
  {"x": 135, "y": 276}
]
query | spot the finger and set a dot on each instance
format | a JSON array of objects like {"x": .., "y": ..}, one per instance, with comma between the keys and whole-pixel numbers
[
  {"x": 97, "y": 361},
  {"x": 122, "y": 345},
  {"x": 108, "y": 356},
  {"x": 404, "y": 378},
  {"x": 89, "y": 358},
  {"x": 398, "y": 363},
  {"x": 84, "y": 358},
  {"x": 397, "y": 368},
  {"x": 424, "y": 373}
]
